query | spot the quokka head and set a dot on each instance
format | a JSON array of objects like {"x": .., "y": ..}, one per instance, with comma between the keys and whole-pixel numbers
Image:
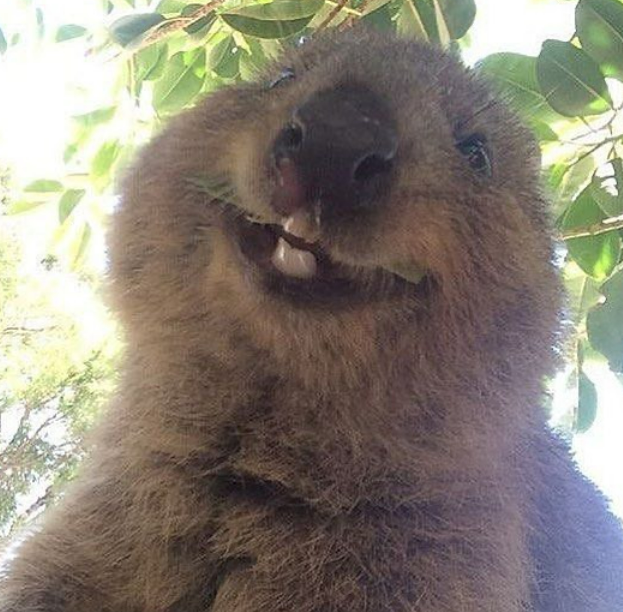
[{"x": 362, "y": 180}]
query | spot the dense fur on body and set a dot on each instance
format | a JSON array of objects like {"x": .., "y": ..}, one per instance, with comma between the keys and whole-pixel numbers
[{"x": 385, "y": 451}]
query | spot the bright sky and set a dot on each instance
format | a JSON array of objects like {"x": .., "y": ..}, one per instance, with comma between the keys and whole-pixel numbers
[{"x": 38, "y": 97}]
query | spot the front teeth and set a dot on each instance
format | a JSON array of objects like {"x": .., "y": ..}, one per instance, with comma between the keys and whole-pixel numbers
[
  {"x": 302, "y": 225},
  {"x": 294, "y": 262}
]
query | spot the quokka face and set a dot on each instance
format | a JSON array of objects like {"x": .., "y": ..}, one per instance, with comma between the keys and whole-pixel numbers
[{"x": 361, "y": 179}]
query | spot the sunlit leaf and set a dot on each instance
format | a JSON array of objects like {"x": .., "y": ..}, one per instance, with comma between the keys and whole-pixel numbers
[
  {"x": 543, "y": 131},
  {"x": 96, "y": 117},
  {"x": 410, "y": 21},
  {"x": 265, "y": 28},
  {"x": 587, "y": 404},
  {"x": 202, "y": 24},
  {"x": 599, "y": 25},
  {"x": 104, "y": 159},
  {"x": 596, "y": 255},
  {"x": 150, "y": 63},
  {"x": 374, "y": 5},
  {"x": 514, "y": 76},
  {"x": 23, "y": 206},
  {"x": 605, "y": 330},
  {"x": 43, "y": 186},
  {"x": 607, "y": 188},
  {"x": 182, "y": 80},
  {"x": 571, "y": 81},
  {"x": 219, "y": 50},
  {"x": 279, "y": 10},
  {"x": 171, "y": 6},
  {"x": 224, "y": 58},
  {"x": 69, "y": 31},
  {"x": 69, "y": 200},
  {"x": 79, "y": 244},
  {"x": 132, "y": 28},
  {"x": 252, "y": 62}
]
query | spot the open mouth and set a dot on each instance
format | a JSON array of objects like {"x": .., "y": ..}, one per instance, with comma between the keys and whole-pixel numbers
[
  {"x": 290, "y": 257},
  {"x": 293, "y": 263}
]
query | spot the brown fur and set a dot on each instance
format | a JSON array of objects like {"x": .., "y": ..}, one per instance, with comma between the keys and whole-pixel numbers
[{"x": 382, "y": 453}]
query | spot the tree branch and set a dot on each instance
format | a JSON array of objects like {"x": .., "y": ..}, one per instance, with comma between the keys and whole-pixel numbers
[
  {"x": 607, "y": 225},
  {"x": 350, "y": 20},
  {"x": 339, "y": 5},
  {"x": 178, "y": 23}
]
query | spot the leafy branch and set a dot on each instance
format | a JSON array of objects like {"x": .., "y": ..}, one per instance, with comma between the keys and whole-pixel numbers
[
  {"x": 178, "y": 23},
  {"x": 610, "y": 224}
]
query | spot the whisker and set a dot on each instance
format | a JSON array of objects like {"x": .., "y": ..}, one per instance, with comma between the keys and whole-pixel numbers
[{"x": 484, "y": 108}]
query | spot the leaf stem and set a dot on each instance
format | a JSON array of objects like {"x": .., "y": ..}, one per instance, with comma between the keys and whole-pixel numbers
[
  {"x": 178, "y": 23},
  {"x": 339, "y": 5},
  {"x": 610, "y": 224}
]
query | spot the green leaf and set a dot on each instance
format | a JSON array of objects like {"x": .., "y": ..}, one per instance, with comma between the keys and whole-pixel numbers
[
  {"x": 279, "y": 10},
  {"x": 70, "y": 151},
  {"x": 607, "y": 188},
  {"x": 96, "y": 117},
  {"x": 382, "y": 18},
  {"x": 43, "y": 186},
  {"x": 224, "y": 58},
  {"x": 596, "y": 255},
  {"x": 200, "y": 25},
  {"x": 571, "y": 81},
  {"x": 23, "y": 206},
  {"x": 265, "y": 28},
  {"x": 69, "y": 31},
  {"x": 455, "y": 16},
  {"x": 543, "y": 132},
  {"x": 171, "y": 6},
  {"x": 150, "y": 62},
  {"x": 587, "y": 404},
  {"x": 514, "y": 76},
  {"x": 599, "y": 26},
  {"x": 104, "y": 159},
  {"x": 603, "y": 322},
  {"x": 130, "y": 30},
  {"x": 69, "y": 200},
  {"x": 253, "y": 62},
  {"x": 3, "y": 44},
  {"x": 79, "y": 245},
  {"x": 374, "y": 5},
  {"x": 219, "y": 50},
  {"x": 570, "y": 176},
  {"x": 410, "y": 21},
  {"x": 181, "y": 82}
]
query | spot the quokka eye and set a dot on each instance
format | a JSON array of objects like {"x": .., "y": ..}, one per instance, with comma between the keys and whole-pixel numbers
[
  {"x": 474, "y": 149},
  {"x": 287, "y": 74}
]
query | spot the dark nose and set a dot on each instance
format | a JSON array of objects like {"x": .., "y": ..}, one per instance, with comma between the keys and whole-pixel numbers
[{"x": 338, "y": 150}]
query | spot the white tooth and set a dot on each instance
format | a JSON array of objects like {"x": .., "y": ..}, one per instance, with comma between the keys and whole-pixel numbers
[
  {"x": 293, "y": 262},
  {"x": 302, "y": 225}
]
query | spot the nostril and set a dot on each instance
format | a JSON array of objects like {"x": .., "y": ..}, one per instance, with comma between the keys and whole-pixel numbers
[
  {"x": 371, "y": 166},
  {"x": 289, "y": 139}
]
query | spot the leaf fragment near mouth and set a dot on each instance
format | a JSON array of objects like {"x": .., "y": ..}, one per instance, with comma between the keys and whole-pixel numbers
[{"x": 411, "y": 272}]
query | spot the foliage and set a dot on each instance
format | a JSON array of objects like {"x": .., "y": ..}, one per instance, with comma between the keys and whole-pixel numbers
[
  {"x": 166, "y": 54},
  {"x": 55, "y": 372}
]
